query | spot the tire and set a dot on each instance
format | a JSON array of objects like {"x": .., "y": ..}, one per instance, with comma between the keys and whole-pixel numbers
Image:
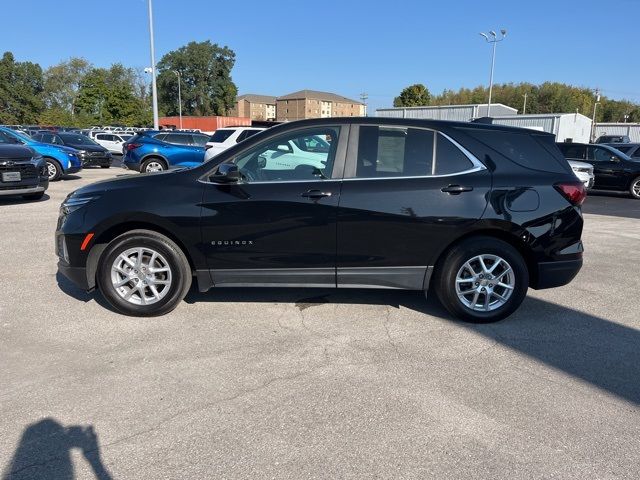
[
  {"x": 112, "y": 268},
  {"x": 54, "y": 169},
  {"x": 152, "y": 165},
  {"x": 634, "y": 188},
  {"x": 34, "y": 196},
  {"x": 459, "y": 262}
]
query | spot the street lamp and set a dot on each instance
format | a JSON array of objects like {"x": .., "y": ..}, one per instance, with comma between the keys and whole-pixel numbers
[
  {"x": 154, "y": 88},
  {"x": 593, "y": 122},
  {"x": 179, "y": 97},
  {"x": 493, "y": 39}
]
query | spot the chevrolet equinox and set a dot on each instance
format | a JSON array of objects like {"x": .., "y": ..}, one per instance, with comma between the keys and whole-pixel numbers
[{"x": 475, "y": 213}]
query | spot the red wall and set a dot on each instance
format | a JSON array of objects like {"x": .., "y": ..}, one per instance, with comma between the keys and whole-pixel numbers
[{"x": 206, "y": 124}]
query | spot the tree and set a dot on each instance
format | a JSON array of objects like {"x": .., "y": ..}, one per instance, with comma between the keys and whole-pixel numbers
[
  {"x": 62, "y": 82},
  {"x": 413, "y": 96},
  {"x": 20, "y": 90},
  {"x": 205, "y": 76},
  {"x": 111, "y": 96}
]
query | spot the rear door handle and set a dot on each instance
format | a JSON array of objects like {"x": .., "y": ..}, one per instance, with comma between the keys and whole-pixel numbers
[
  {"x": 315, "y": 194},
  {"x": 455, "y": 189}
]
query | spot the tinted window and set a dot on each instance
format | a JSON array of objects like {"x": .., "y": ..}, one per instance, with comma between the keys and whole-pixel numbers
[
  {"x": 525, "y": 149},
  {"x": 394, "y": 152},
  {"x": 623, "y": 149},
  {"x": 449, "y": 158},
  {"x": 220, "y": 136},
  {"x": 573, "y": 151},
  {"x": 76, "y": 139},
  {"x": 599, "y": 154},
  {"x": 178, "y": 139},
  {"x": 161, "y": 136},
  {"x": 280, "y": 159},
  {"x": 200, "y": 140},
  {"x": 4, "y": 138},
  {"x": 636, "y": 153}
]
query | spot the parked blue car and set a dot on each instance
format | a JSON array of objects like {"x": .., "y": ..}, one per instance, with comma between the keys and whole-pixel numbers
[
  {"x": 60, "y": 160},
  {"x": 155, "y": 151}
]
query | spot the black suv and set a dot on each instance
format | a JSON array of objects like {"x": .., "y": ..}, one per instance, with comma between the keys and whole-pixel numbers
[
  {"x": 613, "y": 169},
  {"x": 478, "y": 213},
  {"x": 22, "y": 171}
]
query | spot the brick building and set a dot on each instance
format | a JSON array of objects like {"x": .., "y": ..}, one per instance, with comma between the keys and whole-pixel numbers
[
  {"x": 256, "y": 107},
  {"x": 314, "y": 104}
]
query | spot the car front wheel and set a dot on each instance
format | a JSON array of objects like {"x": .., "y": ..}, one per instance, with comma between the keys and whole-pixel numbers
[
  {"x": 143, "y": 273},
  {"x": 54, "y": 170},
  {"x": 634, "y": 189},
  {"x": 482, "y": 280},
  {"x": 153, "y": 165}
]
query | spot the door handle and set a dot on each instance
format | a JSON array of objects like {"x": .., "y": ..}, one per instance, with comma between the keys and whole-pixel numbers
[
  {"x": 455, "y": 189},
  {"x": 315, "y": 194}
]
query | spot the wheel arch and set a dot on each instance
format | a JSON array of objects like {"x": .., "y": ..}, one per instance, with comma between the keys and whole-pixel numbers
[
  {"x": 156, "y": 155},
  {"x": 509, "y": 237}
]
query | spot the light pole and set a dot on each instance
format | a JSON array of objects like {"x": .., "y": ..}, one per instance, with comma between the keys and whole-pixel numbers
[
  {"x": 593, "y": 122},
  {"x": 154, "y": 88},
  {"x": 493, "y": 40},
  {"x": 524, "y": 108},
  {"x": 179, "y": 98},
  {"x": 364, "y": 97}
]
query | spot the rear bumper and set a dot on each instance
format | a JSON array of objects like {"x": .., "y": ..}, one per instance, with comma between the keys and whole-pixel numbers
[{"x": 556, "y": 274}]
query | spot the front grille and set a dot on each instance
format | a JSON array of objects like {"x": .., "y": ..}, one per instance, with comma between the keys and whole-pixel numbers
[{"x": 26, "y": 170}]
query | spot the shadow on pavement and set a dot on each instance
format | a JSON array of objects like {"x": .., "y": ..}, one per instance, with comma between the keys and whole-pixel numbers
[
  {"x": 18, "y": 200},
  {"x": 44, "y": 452},
  {"x": 69, "y": 288},
  {"x": 615, "y": 204},
  {"x": 593, "y": 349}
]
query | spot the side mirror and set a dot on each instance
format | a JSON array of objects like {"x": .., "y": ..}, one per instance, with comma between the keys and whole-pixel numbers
[
  {"x": 226, "y": 173},
  {"x": 283, "y": 148},
  {"x": 614, "y": 158}
]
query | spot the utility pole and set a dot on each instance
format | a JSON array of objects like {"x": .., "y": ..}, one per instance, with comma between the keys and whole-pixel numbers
[
  {"x": 524, "y": 108},
  {"x": 154, "y": 88},
  {"x": 364, "y": 97},
  {"x": 593, "y": 122},
  {"x": 493, "y": 40}
]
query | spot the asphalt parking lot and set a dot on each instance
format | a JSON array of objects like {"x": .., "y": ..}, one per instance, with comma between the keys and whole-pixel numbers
[{"x": 276, "y": 383}]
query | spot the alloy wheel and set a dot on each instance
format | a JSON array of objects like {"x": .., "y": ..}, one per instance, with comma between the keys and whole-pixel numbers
[
  {"x": 485, "y": 283},
  {"x": 52, "y": 170},
  {"x": 635, "y": 188},
  {"x": 141, "y": 276},
  {"x": 154, "y": 166}
]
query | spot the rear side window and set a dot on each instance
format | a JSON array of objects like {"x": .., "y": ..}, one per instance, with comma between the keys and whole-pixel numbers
[
  {"x": 407, "y": 152},
  {"x": 573, "y": 151},
  {"x": 219, "y": 136},
  {"x": 178, "y": 139},
  {"x": 200, "y": 140},
  {"x": 528, "y": 150}
]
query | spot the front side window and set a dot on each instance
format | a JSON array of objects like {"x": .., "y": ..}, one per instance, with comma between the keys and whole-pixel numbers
[
  {"x": 599, "y": 154},
  {"x": 282, "y": 159}
]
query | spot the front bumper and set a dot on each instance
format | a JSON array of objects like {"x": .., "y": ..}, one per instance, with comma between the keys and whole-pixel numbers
[
  {"x": 72, "y": 169},
  {"x": 22, "y": 190},
  {"x": 96, "y": 161},
  {"x": 78, "y": 275}
]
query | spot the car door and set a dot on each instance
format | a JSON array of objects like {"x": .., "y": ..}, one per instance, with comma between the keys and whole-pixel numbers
[
  {"x": 607, "y": 168},
  {"x": 407, "y": 192},
  {"x": 275, "y": 227}
]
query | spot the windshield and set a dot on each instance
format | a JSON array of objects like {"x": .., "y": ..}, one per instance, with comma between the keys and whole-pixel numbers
[
  {"x": 21, "y": 136},
  {"x": 4, "y": 138},
  {"x": 617, "y": 152},
  {"x": 76, "y": 139}
]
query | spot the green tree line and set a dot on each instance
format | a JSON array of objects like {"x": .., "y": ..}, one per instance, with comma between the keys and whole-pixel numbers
[
  {"x": 549, "y": 97},
  {"x": 75, "y": 92}
]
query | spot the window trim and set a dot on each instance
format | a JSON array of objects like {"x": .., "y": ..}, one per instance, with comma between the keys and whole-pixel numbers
[
  {"x": 354, "y": 142},
  {"x": 337, "y": 174}
]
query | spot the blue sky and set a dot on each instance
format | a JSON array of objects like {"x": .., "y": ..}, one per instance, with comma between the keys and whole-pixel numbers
[{"x": 349, "y": 47}]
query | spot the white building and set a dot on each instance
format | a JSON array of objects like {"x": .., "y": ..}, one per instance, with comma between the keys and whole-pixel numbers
[
  {"x": 632, "y": 130},
  {"x": 573, "y": 127},
  {"x": 459, "y": 113}
]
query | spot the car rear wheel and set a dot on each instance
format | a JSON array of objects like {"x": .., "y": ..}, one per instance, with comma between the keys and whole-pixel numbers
[
  {"x": 153, "y": 165},
  {"x": 54, "y": 170},
  {"x": 143, "y": 273},
  {"x": 634, "y": 189},
  {"x": 482, "y": 280}
]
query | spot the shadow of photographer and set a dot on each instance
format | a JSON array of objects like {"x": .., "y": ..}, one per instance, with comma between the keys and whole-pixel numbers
[{"x": 44, "y": 452}]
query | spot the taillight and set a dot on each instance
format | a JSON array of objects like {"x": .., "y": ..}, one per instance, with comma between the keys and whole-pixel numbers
[
  {"x": 575, "y": 192},
  {"x": 133, "y": 146}
]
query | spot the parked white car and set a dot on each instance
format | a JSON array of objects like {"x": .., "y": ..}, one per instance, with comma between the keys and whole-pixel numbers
[
  {"x": 227, "y": 137},
  {"x": 112, "y": 141},
  {"x": 584, "y": 172}
]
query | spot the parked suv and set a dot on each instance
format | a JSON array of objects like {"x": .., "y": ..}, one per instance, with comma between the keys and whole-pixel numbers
[
  {"x": 60, "y": 160},
  {"x": 613, "y": 169},
  {"x": 476, "y": 213},
  {"x": 90, "y": 153},
  {"x": 155, "y": 151},
  {"x": 226, "y": 137},
  {"x": 22, "y": 171}
]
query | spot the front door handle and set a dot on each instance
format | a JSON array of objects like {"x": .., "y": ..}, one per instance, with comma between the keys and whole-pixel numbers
[
  {"x": 315, "y": 194},
  {"x": 455, "y": 189}
]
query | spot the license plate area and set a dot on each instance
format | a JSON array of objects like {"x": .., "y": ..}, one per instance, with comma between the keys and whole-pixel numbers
[{"x": 11, "y": 176}]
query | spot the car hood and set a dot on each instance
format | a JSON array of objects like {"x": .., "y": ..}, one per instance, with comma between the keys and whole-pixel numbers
[
  {"x": 89, "y": 148},
  {"x": 15, "y": 152},
  {"x": 127, "y": 181},
  {"x": 61, "y": 148}
]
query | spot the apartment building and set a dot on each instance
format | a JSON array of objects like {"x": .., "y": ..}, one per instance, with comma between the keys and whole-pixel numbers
[
  {"x": 314, "y": 104},
  {"x": 256, "y": 107}
]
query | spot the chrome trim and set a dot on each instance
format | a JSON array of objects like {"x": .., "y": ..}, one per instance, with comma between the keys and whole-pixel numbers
[
  {"x": 464, "y": 172},
  {"x": 22, "y": 191}
]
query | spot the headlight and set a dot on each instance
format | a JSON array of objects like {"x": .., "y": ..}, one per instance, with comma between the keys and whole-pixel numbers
[
  {"x": 74, "y": 203},
  {"x": 71, "y": 154},
  {"x": 81, "y": 152}
]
